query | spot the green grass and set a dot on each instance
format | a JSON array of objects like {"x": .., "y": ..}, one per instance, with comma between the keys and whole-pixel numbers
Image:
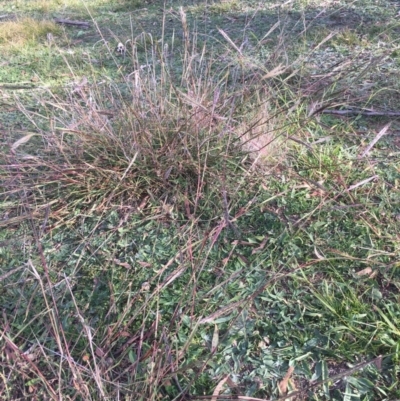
[{"x": 183, "y": 221}]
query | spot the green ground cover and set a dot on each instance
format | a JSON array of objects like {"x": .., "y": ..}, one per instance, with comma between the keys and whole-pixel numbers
[{"x": 213, "y": 213}]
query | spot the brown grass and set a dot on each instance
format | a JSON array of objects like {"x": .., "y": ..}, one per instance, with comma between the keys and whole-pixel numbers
[{"x": 25, "y": 31}]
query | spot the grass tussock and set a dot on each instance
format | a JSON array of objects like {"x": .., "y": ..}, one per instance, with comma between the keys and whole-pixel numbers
[
  {"x": 161, "y": 137},
  {"x": 25, "y": 31}
]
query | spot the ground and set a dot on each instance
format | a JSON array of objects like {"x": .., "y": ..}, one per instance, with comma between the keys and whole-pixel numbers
[{"x": 212, "y": 213}]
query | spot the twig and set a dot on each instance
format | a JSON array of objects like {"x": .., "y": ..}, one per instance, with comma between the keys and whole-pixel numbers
[
  {"x": 363, "y": 112},
  {"x": 366, "y": 181},
  {"x": 70, "y": 22},
  {"x": 375, "y": 140},
  {"x": 22, "y": 85},
  {"x": 9, "y": 273}
]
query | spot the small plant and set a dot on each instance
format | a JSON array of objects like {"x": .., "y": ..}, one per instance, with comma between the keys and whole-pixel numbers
[{"x": 347, "y": 37}]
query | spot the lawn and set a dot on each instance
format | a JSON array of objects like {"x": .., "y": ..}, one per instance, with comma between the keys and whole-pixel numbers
[{"x": 199, "y": 200}]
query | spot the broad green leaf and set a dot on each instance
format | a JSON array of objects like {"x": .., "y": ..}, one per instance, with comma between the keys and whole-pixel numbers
[{"x": 132, "y": 356}]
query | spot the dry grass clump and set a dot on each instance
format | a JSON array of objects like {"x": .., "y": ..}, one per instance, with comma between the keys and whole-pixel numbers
[
  {"x": 110, "y": 144},
  {"x": 26, "y": 30},
  {"x": 107, "y": 148}
]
